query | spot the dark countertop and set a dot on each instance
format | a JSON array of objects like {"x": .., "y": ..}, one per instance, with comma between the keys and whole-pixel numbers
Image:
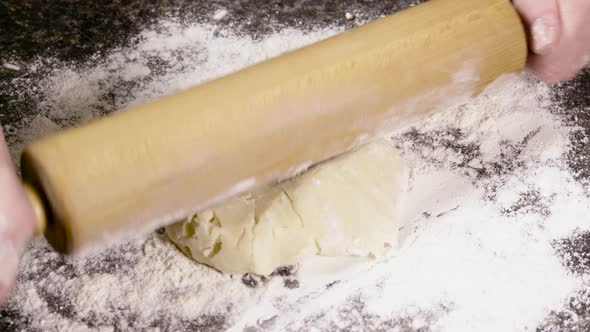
[{"x": 75, "y": 30}]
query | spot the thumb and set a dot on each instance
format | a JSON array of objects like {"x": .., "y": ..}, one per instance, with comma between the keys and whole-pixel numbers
[
  {"x": 16, "y": 220},
  {"x": 544, "y": 22}
]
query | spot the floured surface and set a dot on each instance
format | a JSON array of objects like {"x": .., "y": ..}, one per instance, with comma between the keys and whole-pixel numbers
[{"x": 497, "y": 239}]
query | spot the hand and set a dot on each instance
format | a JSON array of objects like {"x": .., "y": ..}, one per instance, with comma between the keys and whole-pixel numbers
[
  {"x": 559, "y": 41},
  {"x": 16, "y": 221}
]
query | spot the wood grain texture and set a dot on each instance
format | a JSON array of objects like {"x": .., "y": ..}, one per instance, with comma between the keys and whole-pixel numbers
[{"x": 147, "y": 165}]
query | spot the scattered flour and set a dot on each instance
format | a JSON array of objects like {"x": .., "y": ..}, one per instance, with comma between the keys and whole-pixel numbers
[
  {"x": 490, "y": 195},
  {"x": 220, "y": 14},
  {"x": 10, "y": 66}
]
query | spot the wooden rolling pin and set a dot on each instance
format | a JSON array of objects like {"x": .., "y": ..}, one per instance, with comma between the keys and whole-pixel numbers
[{"x": 144, "y": 167}]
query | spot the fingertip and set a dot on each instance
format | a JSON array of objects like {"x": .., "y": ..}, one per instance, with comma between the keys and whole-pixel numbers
[
  {"x": 15, "y": 207},
  {"x": 543, "y": 22},
  {"x": 548, "y": 72}
]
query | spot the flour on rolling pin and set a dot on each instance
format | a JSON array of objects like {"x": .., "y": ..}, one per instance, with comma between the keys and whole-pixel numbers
[
  {"x": 310, "y": 104},
  {"x": 464, "y": 79}
]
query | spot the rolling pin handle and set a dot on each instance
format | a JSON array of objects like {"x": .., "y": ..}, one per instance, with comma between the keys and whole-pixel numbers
[{"x": 38, "y": 208}]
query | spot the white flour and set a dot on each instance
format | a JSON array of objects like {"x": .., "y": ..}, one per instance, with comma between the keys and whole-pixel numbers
[{"x": 491, "y": 194}]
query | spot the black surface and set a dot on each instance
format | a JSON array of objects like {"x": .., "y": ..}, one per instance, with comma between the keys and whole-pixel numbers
[{"x": 72, "y": 30}]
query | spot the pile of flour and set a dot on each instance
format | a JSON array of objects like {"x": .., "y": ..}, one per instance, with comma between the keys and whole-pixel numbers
[{"x": 492, "y": 200}]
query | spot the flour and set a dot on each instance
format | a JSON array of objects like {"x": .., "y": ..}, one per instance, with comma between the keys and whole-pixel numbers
[
  {"x": 10, "y": 66},
  {"x": 491, "y": 195},
  {"x": 220, "y": 14},
  {"x": 544, "y": 33}
]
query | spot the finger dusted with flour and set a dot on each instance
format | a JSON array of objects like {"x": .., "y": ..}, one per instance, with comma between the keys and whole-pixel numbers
[
  {"x": 16, "y": 221},
  {"x": 559, "y": 37}
]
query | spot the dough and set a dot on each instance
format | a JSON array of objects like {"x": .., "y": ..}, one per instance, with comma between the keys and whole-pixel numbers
[{"x": 346, "y": 206}]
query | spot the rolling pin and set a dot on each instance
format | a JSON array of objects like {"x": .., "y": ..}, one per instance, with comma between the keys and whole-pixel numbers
[{"x": 146, "y": 166}]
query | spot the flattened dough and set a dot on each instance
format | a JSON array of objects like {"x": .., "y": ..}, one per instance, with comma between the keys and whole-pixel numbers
[{"x": 348, "y": 206}]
